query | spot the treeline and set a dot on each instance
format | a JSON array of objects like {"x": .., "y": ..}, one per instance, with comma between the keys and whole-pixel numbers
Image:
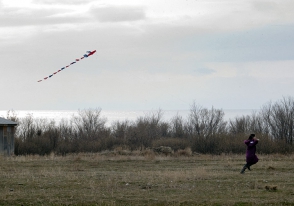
[{"x": 204, "y": 131}]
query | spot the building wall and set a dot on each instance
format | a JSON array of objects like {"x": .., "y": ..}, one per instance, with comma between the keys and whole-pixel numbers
[
  {"x": 1, "y": 140},
  {"x": 11, "y": 140},
  {"x": 6, "y": 140}
]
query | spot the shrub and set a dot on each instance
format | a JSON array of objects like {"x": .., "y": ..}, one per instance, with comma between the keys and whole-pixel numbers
[
  {"x": 174, "y": 143},
  {"x": 187, "y": 152}
]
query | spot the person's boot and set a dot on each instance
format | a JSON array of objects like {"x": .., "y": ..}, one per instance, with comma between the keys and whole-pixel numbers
[
  {"x": 243, "y": 170},
  {"x": 248, "y": 166}
]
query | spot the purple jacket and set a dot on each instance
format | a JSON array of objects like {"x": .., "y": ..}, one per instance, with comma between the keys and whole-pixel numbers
[{"x": 250, "y": 152}]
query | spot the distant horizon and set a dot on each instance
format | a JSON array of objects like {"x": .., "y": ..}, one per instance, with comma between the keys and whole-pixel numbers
[
  {"x": 115, "y": 109},
  {"x": 122, "y": 115}
]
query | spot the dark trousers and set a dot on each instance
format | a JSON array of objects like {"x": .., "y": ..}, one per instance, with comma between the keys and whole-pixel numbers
[{"x": 246, "y": 166}]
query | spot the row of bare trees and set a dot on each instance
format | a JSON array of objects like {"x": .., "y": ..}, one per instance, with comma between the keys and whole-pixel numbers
[{"x": 204, "y": 131}]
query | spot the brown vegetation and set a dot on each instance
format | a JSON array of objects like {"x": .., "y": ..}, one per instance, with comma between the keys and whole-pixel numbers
[{"x": 204, "y": 131}]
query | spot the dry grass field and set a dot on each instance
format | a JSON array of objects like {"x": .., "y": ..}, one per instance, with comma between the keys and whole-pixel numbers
[{"x": 136, "y": 179}]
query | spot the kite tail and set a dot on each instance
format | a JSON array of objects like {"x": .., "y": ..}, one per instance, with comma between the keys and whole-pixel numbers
[{"x": 89, "y": 53}]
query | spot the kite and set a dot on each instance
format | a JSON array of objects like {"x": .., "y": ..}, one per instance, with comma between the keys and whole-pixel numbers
[{"x": 88, "y": 53}]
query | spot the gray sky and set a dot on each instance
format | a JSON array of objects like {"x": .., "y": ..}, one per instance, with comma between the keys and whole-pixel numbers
[{"x": 151, "y": 54}]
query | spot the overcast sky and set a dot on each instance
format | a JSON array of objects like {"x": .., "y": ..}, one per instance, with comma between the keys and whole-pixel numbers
[{"x": 151, "y": 54}]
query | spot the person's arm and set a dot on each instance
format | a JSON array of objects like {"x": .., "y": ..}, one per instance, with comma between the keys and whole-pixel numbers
[
  {"x": 256, "y": 140},
  {"x": 247, "y": 142}
]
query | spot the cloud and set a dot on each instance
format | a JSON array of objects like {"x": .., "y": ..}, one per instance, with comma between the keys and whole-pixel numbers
[
  {"x": 204, "y": 71},
  {"x": 47, "y": 15},
  {"x": 266, "y": 6},
  {"x": 63, "y": 2},
  {"x": 148, "y": 54},
  {"x": 15, "y": 17},
  {"x": 273, "y": 42},
  {"x": 118, "y": 13}
]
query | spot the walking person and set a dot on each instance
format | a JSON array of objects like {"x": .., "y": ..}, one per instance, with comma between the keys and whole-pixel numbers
[{"x": 251, "y": 157}]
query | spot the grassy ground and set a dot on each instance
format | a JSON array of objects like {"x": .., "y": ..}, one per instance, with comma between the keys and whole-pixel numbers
[{"x": 103, "y": 179}]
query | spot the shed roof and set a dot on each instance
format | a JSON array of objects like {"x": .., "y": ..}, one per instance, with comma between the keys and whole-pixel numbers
[{"x": 7, "y": 122}]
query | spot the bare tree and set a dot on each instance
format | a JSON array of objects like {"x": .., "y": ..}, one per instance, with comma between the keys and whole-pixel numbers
[
  {"x": 240, "y": 125},
  {"x": 26, "y": 128},
  {"x": 89, "y": 123},
  {"x": 206, "y": 123},
  {"x": 146, "y": 129},
  {"x": 120, "y": 129},
  {"x": 12, "y": 115},
  {"x": 178, "y": 127},
  {"x": 257, "y": 124},
  {"x": 279, "y": 118}
]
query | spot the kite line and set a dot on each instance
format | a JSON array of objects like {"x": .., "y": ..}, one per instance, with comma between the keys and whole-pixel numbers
[{"x": 89, "y": 53}]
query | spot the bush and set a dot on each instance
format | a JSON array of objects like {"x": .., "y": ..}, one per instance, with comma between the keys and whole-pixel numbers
[
  {"x": 187, "y": 152},
  {"x": 204, "y": 131},
  {"x": 174, "y": 143}
]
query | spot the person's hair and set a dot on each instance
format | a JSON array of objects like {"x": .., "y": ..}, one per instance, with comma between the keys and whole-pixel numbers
[{"x": 251, "y": 136}]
